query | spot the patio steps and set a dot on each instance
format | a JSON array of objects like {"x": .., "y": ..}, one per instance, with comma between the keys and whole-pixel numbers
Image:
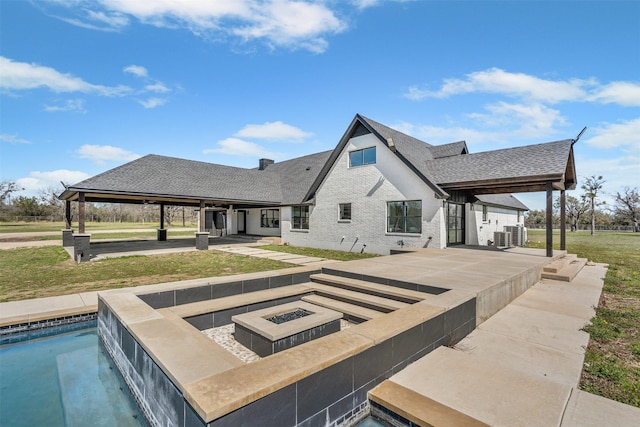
[
  {"x": 370, "y": 288},
  {"x": 564, "y": 269},
  {"x": 352, "y": 312},
  {"x": 373, "y": 302}
]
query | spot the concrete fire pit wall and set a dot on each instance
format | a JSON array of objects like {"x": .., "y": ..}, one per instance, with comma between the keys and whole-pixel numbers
[{"x": 195, "y": 382}]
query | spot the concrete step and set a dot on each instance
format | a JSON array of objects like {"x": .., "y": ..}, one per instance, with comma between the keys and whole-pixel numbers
[
  {"x": 358, "y": 298},
  {"x": 567, "y": 273},
  {"x": 351, "y": 311},
  {"x": 418, "y": 409},
  {"x": 484, "y": 390},
  {"x": 559, "y": 264},
  {"x": 385, "y": 291}
]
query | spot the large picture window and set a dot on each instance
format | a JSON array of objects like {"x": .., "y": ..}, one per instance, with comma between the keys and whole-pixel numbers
[
  {"x": 404, "y": 217},
  {"x": 366, "y": 156},
  {"x": 300, "y": 217},
  {"x": 269, "y": 218}
]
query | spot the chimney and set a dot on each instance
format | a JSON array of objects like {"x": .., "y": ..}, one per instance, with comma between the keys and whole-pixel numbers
[{"x": 264, "y": 163}]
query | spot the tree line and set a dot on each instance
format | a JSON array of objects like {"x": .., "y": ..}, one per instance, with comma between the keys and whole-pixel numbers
[
  {"x": 587, "y": 210},
  {"x": 47, "y": 207}
]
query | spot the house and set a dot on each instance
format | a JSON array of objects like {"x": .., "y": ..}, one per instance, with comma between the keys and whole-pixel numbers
[{"x": 378, "y": 190}]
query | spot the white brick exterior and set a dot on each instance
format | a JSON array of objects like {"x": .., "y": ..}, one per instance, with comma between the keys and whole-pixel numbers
[
  {"x": 368, "y": 188},
  {"x": 479, "y": 232}
]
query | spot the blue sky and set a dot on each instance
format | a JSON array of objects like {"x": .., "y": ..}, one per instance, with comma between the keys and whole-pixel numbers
[{"x": 87, "y": 85}]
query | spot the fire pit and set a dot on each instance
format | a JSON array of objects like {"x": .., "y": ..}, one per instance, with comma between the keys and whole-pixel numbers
[{"x": 275, "y": 329}]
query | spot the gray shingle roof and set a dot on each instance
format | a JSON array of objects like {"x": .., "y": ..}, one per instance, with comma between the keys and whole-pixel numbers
[
  {"x": 507, "y": 200},
  {"x": 284, "y": 182},
  {"x": 541, "y": 160},
  {"x": 295, "y": 181}
]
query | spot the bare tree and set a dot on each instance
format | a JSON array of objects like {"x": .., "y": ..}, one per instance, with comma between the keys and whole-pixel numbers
[
  {"x": 592, "y": 187},
  {"x": 575, "y": 208},
  {"x": 628, "y": 206},
  {"x": 6, "y": 188}
]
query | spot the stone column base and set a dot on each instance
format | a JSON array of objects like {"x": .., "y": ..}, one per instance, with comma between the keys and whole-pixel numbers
[
  {"x": 67, "y": 237},
  {"x": 81, "y": 247},
  {"x": 202, "y": 241},
  {"x": 162, "y": 234}
]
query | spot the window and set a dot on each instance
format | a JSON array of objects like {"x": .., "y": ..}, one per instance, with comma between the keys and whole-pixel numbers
[
  {"x": 345, "y": 212},
  {"x": 269, "y": 218},
  {"x": 485, "y": 213},
  {"x": 404, "y": 217},
  {"x": 366, "y": 156},
  {"x": 300, "y": 217}
]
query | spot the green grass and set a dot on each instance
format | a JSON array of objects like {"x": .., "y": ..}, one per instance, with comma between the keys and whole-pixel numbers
[
  {"x": 612, "y": 359},
  {"x": 50, "y": 272},
  {"x": 320, "y": 253}
]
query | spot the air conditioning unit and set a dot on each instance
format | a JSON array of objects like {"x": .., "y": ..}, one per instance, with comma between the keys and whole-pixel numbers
[
  {"x": 502, "y": 239},
  {"x": 518, "y": 234}
]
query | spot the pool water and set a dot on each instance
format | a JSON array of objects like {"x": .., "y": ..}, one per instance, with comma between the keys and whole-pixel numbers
[
  {"x": 66, "y": 379},
  {"x": 371, "y": 422}
]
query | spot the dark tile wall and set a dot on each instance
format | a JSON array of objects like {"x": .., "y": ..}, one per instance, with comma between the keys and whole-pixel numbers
[
  {"x": 326, "y": 396},
  {"x": 220, "y": 290},
  {"x": 333, "y": 394}
]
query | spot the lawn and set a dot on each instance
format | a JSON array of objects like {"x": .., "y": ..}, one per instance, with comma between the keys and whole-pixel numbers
[
  {"x": 612, "y": 359},
  {"x": 320, "y": 253},
  {"x": 51, "y": 272}
]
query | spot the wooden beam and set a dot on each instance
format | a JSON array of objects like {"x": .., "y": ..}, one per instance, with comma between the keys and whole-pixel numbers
[
  {"x": 563, "y": 221},
  {"x": 549, "y": 219},
  {"x": 161, "y": 216}
]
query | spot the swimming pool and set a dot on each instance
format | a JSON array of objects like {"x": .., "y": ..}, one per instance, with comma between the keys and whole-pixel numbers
[{"x": 64, "y": 378}]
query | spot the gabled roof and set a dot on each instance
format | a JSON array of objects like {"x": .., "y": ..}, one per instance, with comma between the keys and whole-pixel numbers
[
  {"x": 442, "y": 168},
  {"x": 506, "y": 170}
]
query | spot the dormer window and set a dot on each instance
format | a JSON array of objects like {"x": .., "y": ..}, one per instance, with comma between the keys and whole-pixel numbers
[{"x": 365, "y": 156}]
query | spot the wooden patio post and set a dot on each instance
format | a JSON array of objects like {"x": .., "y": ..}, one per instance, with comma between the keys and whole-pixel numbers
[
  {"x": 563, "y": 222},
  {"x": 81, "y": 213},
  {"x": 202, "y": 219},
  {"x": 549, "y": 219},
  {"x": 67, "y": 214},
  {"x": 162, "y": 216}
]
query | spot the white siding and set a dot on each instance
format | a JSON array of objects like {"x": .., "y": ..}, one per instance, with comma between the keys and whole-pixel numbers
[
  {"x": 368, "y": 188},
  {"x": 479, "y": 232}
]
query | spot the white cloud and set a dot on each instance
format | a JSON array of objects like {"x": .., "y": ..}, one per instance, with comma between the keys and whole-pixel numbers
[
  {"x": 533, "y": 89},
  {"x": 157, "y": 87},
  {"x": 273, "y": 131},
  {"x": 623, "y": 93},
  {"x": 625, "y": 134},
  {"x": 499, "y": 123},
  {"x": 38, "y": 181},
  {"x": 618, "y": 172},
  {"x": 152, "y": 102},
  {"x": 76, "y": 105},
  {"x": 495, "y": 80},
  {"x": 25, "y": 76},
  {"x": 13, "y": 139},
  {"x": 292, "y": 24},
  {"x": 102, "y": 153},
  {"x": 239, "y": 147},
  {"x": 136, "y": 70}
]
